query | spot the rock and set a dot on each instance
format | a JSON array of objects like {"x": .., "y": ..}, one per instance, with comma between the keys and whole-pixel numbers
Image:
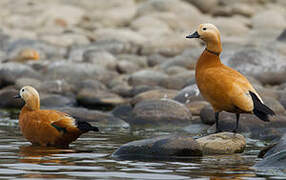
[
  {"x": 169, "y": 147},
  {"x": 168, "y": 46},
  {"x": 10, "y": 72},
  {"x": 123, "y": 112},
  {"x": 139, "y": 60},
  {"x": 127, "y": 67},
  {"x": 142, "y": 88},
  {"x": 146, "y": 77},
  {"x": 274, "y": 105},
  {"x": 91, "y": 84},
  {"x": 175, "y": 70},
  {"x": 187, "y": 59},
  {"x": 196, "y": 107},
  {"x": 155, "y": 59},
  {"x": 100, "y": 58},
  {"x": 230, "y": 26},
  {"x": 112, "y": 46},
  {"x": 243, "y": 9},
  {"x": 204, "y": 6},
  {"x": 222, "y": 143},
  {"x": 207, "y": 115},
  {"x": 274, "y": 148},
  {"x": 95, "y": 118},
  {"x": 98, "y": 99},
  {"x": 69, "y": 15},
  {"x": 24, "y": 55},
  {"x": 189, "y": 15},
  {"x": 151, "y": 26},
  {"x": 177, "y": 81},
  {"x": 282, "y": 36},
  {"x": 274, "y": 164},
  {"x": 65, "y": 40},
  {"x": 196, "y": 128},
  {"x": 111, "y": 13},
  {"x": 76, "y": 72},
  {"x": 269, "y": 20},
  {"x": 153, "y": 95},
  {"x": 54, "y": 100},
  {"x": 45, "y": 50},
  {"x": 267, "y": 67},
  {"x": 188, "y": 94},
  {"x": 7, "y": 100},
  {"x": 161, "y": 113},
  {"x": 122, "y": 35}
]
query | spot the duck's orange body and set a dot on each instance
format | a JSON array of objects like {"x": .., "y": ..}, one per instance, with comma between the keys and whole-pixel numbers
[
  {"x": 48, "y": 127},
  {"x": 224, "y": 88}
]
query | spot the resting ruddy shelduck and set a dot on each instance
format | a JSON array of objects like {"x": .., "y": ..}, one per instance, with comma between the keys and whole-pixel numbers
[
  {"x": 225, "y": 88},
  {"x": 48, "y": 127}
]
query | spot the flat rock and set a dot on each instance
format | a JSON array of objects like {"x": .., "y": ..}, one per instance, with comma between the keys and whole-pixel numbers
[
  {"x": 169, "y": 147},
  {"x": 100, "y": 58},
  {"x": 55, "y": 100},
  {"x": 146, "y": 77},
  {"x": 222, "y": 143},
  {"x": 94, "y": 99},
  {"x": 94, "y": 117},
  {"x": 154, "y": 94},
  {"x": 162, "y": 112}
]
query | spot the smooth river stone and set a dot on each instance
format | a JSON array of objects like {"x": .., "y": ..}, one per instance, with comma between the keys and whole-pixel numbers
[
  {"x": 159, "y": 148},
  {"x": 222, "y": 143}
]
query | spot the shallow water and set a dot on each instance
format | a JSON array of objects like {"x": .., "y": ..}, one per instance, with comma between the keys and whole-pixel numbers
[{"x": 90, "y": 158}]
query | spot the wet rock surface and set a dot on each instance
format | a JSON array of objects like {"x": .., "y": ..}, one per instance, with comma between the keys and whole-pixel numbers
[
  {"x": 222, "y": 143},
  {"x": 165, "y": 112},
  {"x": 174, "y": 146}
]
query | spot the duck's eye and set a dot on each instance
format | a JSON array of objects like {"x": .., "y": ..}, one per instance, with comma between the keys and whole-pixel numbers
[
  {"x": 204, "y": 29},
  {"x": 23, "y": 90}
]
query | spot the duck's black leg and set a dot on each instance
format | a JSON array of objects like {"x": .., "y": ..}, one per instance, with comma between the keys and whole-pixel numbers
[
  {"x": 216, "y": 122},
  {"x": 237, "y": 121}
]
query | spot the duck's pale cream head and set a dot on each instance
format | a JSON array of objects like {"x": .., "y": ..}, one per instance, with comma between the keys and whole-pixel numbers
[
  {"x": 31, "y": 97},
  {"x": 210, "y": 35}
]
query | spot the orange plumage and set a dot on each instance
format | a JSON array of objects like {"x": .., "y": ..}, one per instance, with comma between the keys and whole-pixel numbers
[
  {"x": 225, "y": 88},
  {"x": 48, "y": 127}
]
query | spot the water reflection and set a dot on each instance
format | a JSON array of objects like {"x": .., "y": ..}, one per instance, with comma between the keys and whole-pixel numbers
[{"x": 37, "y": 154}]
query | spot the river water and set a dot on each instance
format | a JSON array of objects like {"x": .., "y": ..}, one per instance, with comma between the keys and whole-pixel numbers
[{"x": 90, "y": 158}]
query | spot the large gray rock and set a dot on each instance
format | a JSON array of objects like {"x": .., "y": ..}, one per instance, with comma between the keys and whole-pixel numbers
[
  {"x": 7, "y": 100},
  {"x": 169, "y": 147},
  {"x": 222, "y": 143},
  {"x": 164, "y": 112},
  {"x": 268, "y": 67}
]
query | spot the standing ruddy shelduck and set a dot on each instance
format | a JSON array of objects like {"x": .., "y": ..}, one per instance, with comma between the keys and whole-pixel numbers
[
  {"x": 48, "y": 127},
  {"x": 225, "y": 88}
]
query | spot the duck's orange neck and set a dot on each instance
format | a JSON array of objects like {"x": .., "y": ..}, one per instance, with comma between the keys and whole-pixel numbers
[
  {"x": 214, "y": 44},
  {"x": 207, "y": 59},
  {"x": 32, "y": 104}
]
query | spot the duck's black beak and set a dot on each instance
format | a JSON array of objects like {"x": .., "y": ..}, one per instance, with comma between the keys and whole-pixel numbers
[
  {"x": 17, "y": 96},
  {"x": 194, "y": 35}
]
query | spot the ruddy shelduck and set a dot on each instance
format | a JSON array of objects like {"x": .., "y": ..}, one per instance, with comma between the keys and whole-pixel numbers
[
  {"x": 225, "y": 88},
  {"x": 48, "y": 127}
]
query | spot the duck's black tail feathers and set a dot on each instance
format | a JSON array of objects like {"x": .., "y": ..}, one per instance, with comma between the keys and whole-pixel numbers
[
  {"x": 85, "y": 126},
  {"x": 261, "y": 110}
]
